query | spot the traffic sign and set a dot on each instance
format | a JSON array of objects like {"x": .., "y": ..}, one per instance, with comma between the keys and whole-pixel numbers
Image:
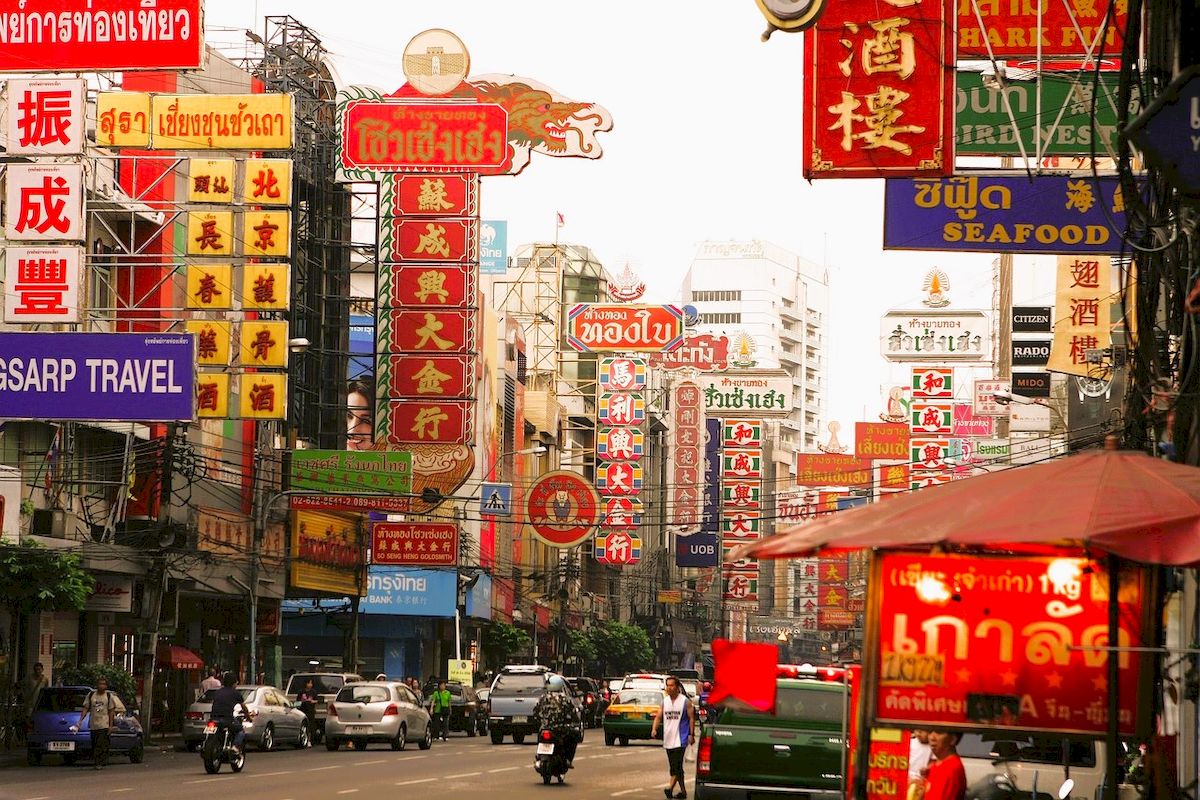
[{"x": 495, "y": 499}]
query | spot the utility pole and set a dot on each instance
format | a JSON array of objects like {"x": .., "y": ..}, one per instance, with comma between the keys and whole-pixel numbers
[
  {"x": 156, "y": 581},
  {"x": 1004, "y": 323}
]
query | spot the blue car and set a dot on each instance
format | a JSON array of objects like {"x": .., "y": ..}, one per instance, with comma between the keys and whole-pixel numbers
[{"x": 54, "y": 712}]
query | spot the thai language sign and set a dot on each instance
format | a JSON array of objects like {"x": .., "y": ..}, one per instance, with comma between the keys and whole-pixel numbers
[
  {"x": 878, "y": 91},
  {"x": 352, "y": 471},
  {"x": 935, "y": 336},
  {"x": 760, "y": 393},
  {"x": 1004, "y": 214},
  {"x": 1018, "y": 643},
  {"x": 129, "y": 377},
  {"x": 609, "y": 327},
  {"x": 124, "y": 35},
  {"x": 814, "y": 469},
  {"x": 881, "y": 440},
  {"x": 703, "y": 352},
  {"x": 194, "y": 121},
  {"x": 403, "y": 135},
  {"x": 414, "y": 544},
  {"x": 1036, "y": 30}
]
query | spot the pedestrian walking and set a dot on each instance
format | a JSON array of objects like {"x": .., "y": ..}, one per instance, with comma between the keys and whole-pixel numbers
[
  {"x": 307, "y": 697},
  {"x": 947, "y": 777},
  {"x": 100, "y": 707},
  {"x": 439, "y": 709},
  {"x": 677, "y": 716}
]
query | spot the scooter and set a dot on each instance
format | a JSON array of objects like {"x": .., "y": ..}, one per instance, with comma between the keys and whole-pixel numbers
[
  {"x": 218, "y": 747},
  {"x": 1003, "y": 785},
  {"x": 550, "y": 760}
]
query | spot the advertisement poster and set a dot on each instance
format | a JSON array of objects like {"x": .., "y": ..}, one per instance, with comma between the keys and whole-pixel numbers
[{"x": 327, "y": 552}]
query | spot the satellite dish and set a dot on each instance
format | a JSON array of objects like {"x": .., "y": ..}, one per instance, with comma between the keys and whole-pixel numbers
[{"x": 691, "y": 315}]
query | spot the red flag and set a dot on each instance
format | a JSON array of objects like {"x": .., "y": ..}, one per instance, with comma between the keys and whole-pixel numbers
[{"x": 744, "y": 671}]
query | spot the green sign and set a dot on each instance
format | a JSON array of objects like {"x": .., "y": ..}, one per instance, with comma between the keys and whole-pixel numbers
[
  {"x": 982, "y": 125},
  {"x": 352, "y": 472}
]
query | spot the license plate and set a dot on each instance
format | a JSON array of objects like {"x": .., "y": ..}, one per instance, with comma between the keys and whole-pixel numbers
[
  {"x": 545, "y": 748},
  {"x": 634, "y": 715},
  {"x": 518, "y": 720},
  {"x": 60, "y": 747},
  {"x": 357, "y": 730}
]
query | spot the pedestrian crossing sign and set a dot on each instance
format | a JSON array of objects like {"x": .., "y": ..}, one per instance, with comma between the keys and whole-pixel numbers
[{"x": 495, "y": 499}]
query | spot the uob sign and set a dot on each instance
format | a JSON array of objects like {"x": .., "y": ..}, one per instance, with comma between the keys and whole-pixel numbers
[{"x": 698, "y": 550}]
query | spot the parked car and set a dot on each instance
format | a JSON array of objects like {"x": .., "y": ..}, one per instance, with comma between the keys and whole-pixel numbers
[
  {"x": 57, "y": 708},
  {"x": 631, "y": 714},
  {"x": 467, "y": 712},
  {"x": 377, "y": 711},
  {"x": 277, "y": 720},
  {"x": 591, "y": 699},
  {"x": 327, "y": 685}
]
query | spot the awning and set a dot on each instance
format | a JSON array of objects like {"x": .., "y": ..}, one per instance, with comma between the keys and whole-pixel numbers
[{"x": 173, "y": 656}]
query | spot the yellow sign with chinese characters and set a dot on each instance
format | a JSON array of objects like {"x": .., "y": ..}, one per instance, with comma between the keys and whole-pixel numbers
[
  {"x": 264, "y": 344},
  {"x": 209, "y": 287},
  {"x": 212, "y": 342},
  {"x": 1082, "y": 315},
  {"x": 268, "y": 182},
  {"x": 196, "y": 121},
  {"x": 210, "y": 180},
  {"x": 210, "y": 233},
  {"x": 212, "y": 395},
  {"x": 267, "y": 233},
  {"x": 265, "y": 287},
  {"x": 327, "y": 554},
  {"x": 263, "y": 395}
]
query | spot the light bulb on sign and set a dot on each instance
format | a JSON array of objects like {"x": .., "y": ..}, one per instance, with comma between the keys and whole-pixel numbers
[{"x": 933, "y": 590}]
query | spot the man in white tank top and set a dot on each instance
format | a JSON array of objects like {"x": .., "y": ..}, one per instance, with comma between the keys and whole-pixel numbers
[{"x": 678, "y": 718}]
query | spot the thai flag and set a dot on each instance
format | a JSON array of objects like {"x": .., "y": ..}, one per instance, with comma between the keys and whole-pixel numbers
[{"x": 559, "y": 219}]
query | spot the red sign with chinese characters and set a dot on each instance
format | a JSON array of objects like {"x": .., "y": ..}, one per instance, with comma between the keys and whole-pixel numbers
[
  {"x": 444, "y": 285},
  {"x": 427, "y": 331},
  {"x": 423, "y": 194},
  {"x": 440, "y": 240},
  {"x": 879, "y": 91},
  {"x": 118, "y": 35},
  {"x": 992, "y": 641},
  {"x": 415, "y": 544},
  {"x": 1012, "y": 29},
  {"x": 429, "y": 421},
  {"x": 429, "y": 377},
  {"x": 400, "y": 135}
]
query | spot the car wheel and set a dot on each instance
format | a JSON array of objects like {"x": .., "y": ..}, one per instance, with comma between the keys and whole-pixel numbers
[
  {"x": 68, "y": 760},
  {"x": 624, "y": 740},
  {"x": 33, "y": 757},
  {"x": 360, "y": 745},
  {"x": 609, "y": 739},
  {"x": 267, "y": 742},
  {"x": 427, "y": 742},
  {"x": 192, "y": 746},
  {"x": 332, "y": 744},
  {"x": 497, "y": 737},
  {"x": 471, "y": 732},
  {"x": 303, "y": 740},
  {"x": 137, "y": 754},
  {"x": 518, "y": 738},
  {"x": 401, "y": 740}
]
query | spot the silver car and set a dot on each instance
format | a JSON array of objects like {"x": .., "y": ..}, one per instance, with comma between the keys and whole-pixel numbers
[
  {"x": 276, "y": 719},
  {"x": 377, "y": 711}
]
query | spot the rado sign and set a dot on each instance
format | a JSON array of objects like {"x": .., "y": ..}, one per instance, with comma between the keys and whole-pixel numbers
[{"x": 1031, "y": 353}]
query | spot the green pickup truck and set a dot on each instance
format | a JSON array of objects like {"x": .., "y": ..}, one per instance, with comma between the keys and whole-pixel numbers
[{"x": 798, "y": 751}]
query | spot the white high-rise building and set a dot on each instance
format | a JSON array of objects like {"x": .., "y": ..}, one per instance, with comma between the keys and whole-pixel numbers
[{"x": 781, "y": 301}]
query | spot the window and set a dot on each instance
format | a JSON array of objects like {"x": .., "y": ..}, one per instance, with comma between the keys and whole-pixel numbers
[
  {"x": 519, "y": 684},
  {"x": 717, "y": 295},
  {"x": 795, "y": 704},
  {"x": 363, "y": 694},
  {"x": 721, "y": 319}
]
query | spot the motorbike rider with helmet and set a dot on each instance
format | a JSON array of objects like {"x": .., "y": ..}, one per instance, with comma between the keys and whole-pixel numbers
[{"x": 224, "y": 703}]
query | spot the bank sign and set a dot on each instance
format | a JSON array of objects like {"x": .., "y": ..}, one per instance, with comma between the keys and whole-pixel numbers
[
  {"x": 410, "y": 592},
  {"x": 1050, "y": 214},
  {"x": 120, "y": 377}
]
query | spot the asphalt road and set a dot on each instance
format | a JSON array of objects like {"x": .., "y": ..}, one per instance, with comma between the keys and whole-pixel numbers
[{"x": 460, "y": 767}]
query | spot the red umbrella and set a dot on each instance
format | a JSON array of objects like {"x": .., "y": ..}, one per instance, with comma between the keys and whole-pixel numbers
[{"x": 1117, "y": 501}]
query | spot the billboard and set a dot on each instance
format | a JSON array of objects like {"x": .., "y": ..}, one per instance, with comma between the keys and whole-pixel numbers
[
  {"x": 1039, "y": 30},
  {"x": 426, "y": 544},
  {"x": 397, "y": 135},
  {"x": 349, "y": 471},
  {"x": 1083, "y": 319},
  {"x": 410, "y": 592},
  {"x": 327, "y": 552},
  {"x": 121, "y": 377},
  {"x": 43, "y": 284},
  {"x": 194, "y": 121},
  {"x": 761, "y": 393},
  {"x": 493, "y": 247},
  {"x": 624, "y": 327}
]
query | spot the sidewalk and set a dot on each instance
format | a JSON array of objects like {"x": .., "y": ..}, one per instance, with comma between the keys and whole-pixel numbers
[{"x": 172, "y": 742}]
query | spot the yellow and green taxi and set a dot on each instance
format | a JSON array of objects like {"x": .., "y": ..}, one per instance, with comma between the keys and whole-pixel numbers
[{"x": 630, "y": 715}]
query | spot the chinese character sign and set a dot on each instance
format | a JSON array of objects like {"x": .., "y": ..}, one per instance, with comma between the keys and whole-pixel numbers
[
  {"x": 741, "y": 506},
  {"x": 45, "y": 117},
  {"x": 686, "y": 463},
  {"x": 620, "y": 404},
  {"x": 1083, "y": 320},
  {"x": 879, "y": 90},
  {"x": 44, "y": 202},
  {"x": 210, "y": 180},
  {"x": 42, "y": 284}
]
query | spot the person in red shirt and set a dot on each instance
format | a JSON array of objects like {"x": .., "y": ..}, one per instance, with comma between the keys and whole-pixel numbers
[{"x": 947, "y": 779}]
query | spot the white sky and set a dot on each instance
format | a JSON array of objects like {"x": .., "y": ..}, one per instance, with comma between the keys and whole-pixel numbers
[{"x": 705, "y": 145}]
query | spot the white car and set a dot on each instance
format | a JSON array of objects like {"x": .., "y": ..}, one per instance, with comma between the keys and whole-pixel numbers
[{"x": 276, "y": 719}]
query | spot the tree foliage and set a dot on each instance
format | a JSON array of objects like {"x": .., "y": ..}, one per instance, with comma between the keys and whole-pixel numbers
[
  {"x": 580, "y": 645},
  {"x": 501, "y": 641},
  {"x": 621, "y": 648},
  {"x": 119, "y": 680}
]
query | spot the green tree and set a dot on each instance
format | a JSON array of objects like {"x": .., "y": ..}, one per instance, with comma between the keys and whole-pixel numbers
[
  {"x": 580, "y": 645},
  {"x": 119, "y": 680},
  {"x": 34, "y": 579},
  {"x": 621, "y": 648},
  {"x": 501, "y": 641}
]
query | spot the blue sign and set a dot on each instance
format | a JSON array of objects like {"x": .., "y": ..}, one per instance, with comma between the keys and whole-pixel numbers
[
  {"x": 1050, "y": 214},
  {"x": 495, "y": 499},
  {"x": 479, "y": 598},
  {"x": 362, "y": 346},
  {"x": 410, "y": 592},
  {"x": 123, "y": 377},
  {"x": 847, "y": 503},
  {"x": 1168, "y": 132},
  {"x": 701, "y": 549},
  {"x": 493, "y": 247}
]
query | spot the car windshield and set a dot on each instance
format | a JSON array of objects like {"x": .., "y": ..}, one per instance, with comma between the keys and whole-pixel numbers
[
  {"x": 793, "y": 704},
  {"x": 363, "y": 694},
  {"x": 516, "y": 683},
  {"x": 639, "y": 697},
  {"x": 322, "y": 684},
  {"x": 207, "y": 697},
  {"x": 1030, "y": 747},
  {"x": 690, "y": 688},
  {"x": 62, "y": 700},
  {"x": 643, "y": 683}
]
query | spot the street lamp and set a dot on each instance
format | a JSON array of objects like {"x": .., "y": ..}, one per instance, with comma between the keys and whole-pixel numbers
[{"x": 1004, "y": 397}]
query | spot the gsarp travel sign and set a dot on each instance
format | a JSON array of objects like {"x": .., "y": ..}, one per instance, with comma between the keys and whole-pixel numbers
[{"x": 1051, "y": 214}]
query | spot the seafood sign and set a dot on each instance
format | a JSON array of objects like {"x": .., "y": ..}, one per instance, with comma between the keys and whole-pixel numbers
[
  {"x": 601, "y": 327},
  {"x": 72, "y": 36},
  {"x": 998, "y": 641}
]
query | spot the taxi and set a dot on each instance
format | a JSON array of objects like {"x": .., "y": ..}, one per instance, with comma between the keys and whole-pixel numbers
[{"x": 630, "y": 715}]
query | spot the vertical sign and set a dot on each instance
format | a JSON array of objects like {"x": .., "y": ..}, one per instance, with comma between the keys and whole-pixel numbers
[
  {"x": 45, "y": 116},
  {"x": 620, "y": 445},
  {"x": 44, "y": 202},
  {"x": 741, "y": 505},
  {"x": 687, "y": 456},
  {"x": 1081, "y": 312},
  {"x": 703, "y": 549},
  {"x": 493, "y": 247},
  {"x": 42, "y": 284}
]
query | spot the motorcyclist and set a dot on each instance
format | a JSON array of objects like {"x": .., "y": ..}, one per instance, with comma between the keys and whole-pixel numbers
[
  {"x": 555, "y": 711},
  {"x": 225, "y": 702}
]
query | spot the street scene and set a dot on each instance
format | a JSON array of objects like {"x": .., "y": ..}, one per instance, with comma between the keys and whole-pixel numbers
[{"x": 773, "y": 399}]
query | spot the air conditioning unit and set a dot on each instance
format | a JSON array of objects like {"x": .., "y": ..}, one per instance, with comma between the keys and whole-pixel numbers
[{"x": 55, "y": 522}]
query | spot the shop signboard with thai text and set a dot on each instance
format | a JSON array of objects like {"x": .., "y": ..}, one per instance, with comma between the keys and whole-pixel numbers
[
  {"x": 984, "y": 401},
  {"x": 824, "y": 469},
  {"x": 613, "y": 327},
  {"x": 879, "y": 91},
  {"x": 327, "y": 553},
  {"x": 410, "y": 592},
  {"x": 195, "y": 121},
  {"x": 408, "y": 135},
  {"x": 1006, "y": 642},
  {"x": 113, "y": 36},
  {"x": 416, "y": 544},
  {"x": 935, "y": 336},
  {"x": 762, "y": 393},
  {"x": 1039, "y": 30},
  {"x": 352, "y": 471},
  {"x": 967, "y": 423},
  {"x": 1048, "y": 214},
  {"x": 880, "y": 441},
  {"x": 702, "y": 352}
]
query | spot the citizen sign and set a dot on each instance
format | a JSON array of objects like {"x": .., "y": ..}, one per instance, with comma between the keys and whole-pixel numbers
[{"x": 1031, "y": 319}]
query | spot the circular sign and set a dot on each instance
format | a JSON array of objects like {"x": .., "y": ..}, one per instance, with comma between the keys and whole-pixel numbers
[
  {"x": 435, "y": 61},
  {"x": 562, "y": 508}
]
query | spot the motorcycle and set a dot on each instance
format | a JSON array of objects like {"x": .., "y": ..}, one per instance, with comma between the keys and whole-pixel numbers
[
  {"x": 1003, "y": 785},
  {"x": 218, "y": 747},
  {"x": 551, "y": 759}
]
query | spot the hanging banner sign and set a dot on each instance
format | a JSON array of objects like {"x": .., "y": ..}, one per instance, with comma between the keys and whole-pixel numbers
[
  {"x": 878, "y": 91},
  {"x": 621, "y": 374},
  {"x": 984, "y": 399},
  {"x": 703, "y": 353},
  {"x": 424, "y": 194},
  {"x": 46, "y": 116},
  {"x": 1030, "y": 352},
  {"x": 1031, "y": 319},
  {"x": 406, "y": 135},
  {"x": 127, "y": 35},
  {"x": 968, "y": 423},
  {"x": 352, "y": 471},
  {"x": 1015, "y": 643},
  {"x": 1004, "y": 214},
  {"x": 762, "y": 393},
  {"x": 44, "y": 202},
  {"x": 1082, "y": 311},
  {"x": 42, "y": 285},
  {"x": 1038, "y": 30},
  {"x": 1030, "y": 384},
  {"x": 438, "y": 285},
  {"x": 195, "y": 121},
  {"x": 562, "y": 508},
  {"x": 603, "y": 327},
  {"x": 431, "y": 421},
  {"x": 933, "y": 383},
  {"x": 931, "y": 417}
]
